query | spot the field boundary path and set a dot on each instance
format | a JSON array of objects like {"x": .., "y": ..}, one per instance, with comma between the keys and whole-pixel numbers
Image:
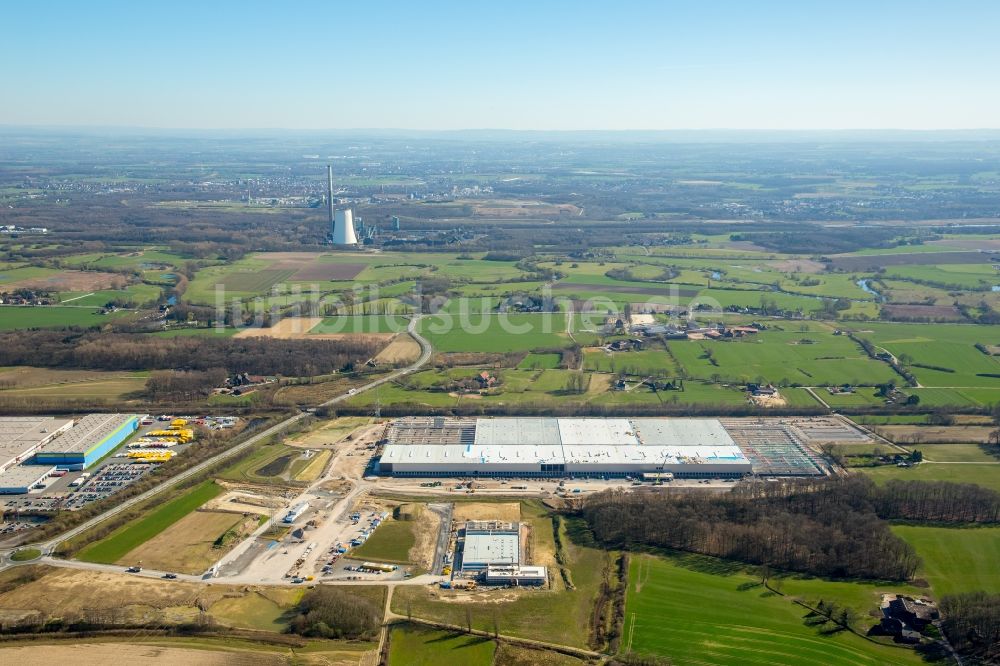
[
  {"x": 48, "y": 546},
  {"x": 392, "y": 618},
  {"x": 812, "y": 392}
]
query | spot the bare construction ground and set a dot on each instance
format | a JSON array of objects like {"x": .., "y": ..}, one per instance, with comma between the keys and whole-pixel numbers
[
  {"x": 245, "y": 502},
  {"x": 426, "y": 528},
  {"x": 189, "y": 545},
  {"x": 504, "y": 511}
]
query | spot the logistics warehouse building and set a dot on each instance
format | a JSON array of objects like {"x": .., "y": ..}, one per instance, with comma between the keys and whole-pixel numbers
[
  {"x": 88, "y": 441},
  {"x": 613, "y": 447}
]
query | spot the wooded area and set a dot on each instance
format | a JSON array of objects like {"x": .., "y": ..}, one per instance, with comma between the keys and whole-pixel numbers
[
  {"x": 120, "y": 351},
  {"x": 972, "y": 623},
  {"x": 330, "y": 612},
  {"x": 829, "y": 527}
]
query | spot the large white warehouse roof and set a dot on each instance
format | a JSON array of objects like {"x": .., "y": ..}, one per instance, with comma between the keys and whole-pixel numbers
[{"x": 564, "y": 445}]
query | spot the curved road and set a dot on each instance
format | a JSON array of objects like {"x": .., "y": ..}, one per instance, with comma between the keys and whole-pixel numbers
[{"x": 48, "y": 546}]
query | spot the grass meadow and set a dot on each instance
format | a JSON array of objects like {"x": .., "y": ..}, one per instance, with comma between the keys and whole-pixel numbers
[
  {"x": 133, "y": 534},
  {"x": 697, "y": 610}
]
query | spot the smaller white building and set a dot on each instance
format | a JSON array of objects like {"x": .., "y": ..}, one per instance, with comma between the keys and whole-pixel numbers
[
  {"x": 515, "y": 575},
  {"x": 295, "y": 512},
  {"x": 491, "y": 543}
]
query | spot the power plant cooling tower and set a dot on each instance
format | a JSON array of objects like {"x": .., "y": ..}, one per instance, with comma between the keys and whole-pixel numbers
[
  {"x": 343, "y": 228},
  {"x": 341, "y": 221}
]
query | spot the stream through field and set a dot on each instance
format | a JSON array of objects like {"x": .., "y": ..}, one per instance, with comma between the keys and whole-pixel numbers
[{"x": 866, "y": 286}]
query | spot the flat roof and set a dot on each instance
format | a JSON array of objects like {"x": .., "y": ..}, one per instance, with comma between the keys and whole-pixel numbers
[
  {"x": 455, "y": 454},
  {"x": 681, "y": 432},
  {"x": 639, "y": 455},
  {"x": 432, "y": 430},
  {"x": 579, "y": 454},
  {"x": 19, "y": 434},
  {"x": 510, "y": 431},
  {"x": 92, "y": 429},
  {"x": 495, "y": 548},
  {"x": 611, "y": 432},
  {"x": 24, "y": 476}
]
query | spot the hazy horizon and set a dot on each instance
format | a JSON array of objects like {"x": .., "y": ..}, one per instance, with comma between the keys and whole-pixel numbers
[{"x": 448, "y": 66}]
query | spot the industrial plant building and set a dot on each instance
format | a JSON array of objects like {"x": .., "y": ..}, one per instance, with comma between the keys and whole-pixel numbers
[
  {"x": 540, "y": 447},
  {"x": 20, "y": 438},
  {"x": 491, "y": 552},
  {"x": 341, "y": 221},
  {"x": 31, "y": 447},
  {"x": 490, "y": 543},
  {"x": 89, "y": 440}
]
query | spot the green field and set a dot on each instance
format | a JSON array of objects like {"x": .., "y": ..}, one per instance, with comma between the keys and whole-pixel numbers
[
  {"x": 390, "y": 542},
  {"x": 556, "y": 615},
  {"x": 52, "y": 316},
  {"x": 413, "y": 645},
  {"x": 940, "y": 345},
  {"x": 957, "y": 397},
  {"x": 964, "y": 453},
  {"x": 140, "y": 259},
  {"x": 133, "y": 534},
  {"x": 646, "y": 362},
  {"x": 138, "y": 294},
  {"x": 495, "y": 333},
  {"x": 267, "y": 464},
  {"x": 361, "y": 324},
  {"x": 861, "y": 397},
  {"x": 10, "y": 275},
  {"x": 956, "y": 560},
  {"x": 181, "y": 332},
  {"x": 264, "y": 610},
  {"x": 985, "y": 474},
  {"x": 540, "y": 362},
  {"x": 809, "y": 358},
  {"x": 698, "y": 610},
  {"x": 25, "y": 554}
]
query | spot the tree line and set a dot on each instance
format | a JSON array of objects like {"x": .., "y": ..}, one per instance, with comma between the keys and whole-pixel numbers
[
  {"x": 122, "y": 351},
  {"x": 971, "y": 622},
  {"x": 331, "y": 612},
  {"x": 827, "y": 527}
]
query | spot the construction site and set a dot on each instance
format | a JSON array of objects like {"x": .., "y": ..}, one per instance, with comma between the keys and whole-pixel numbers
[{"x": 607, "y": 448}]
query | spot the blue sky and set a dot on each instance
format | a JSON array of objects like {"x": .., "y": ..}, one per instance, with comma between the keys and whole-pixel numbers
[{"x": 506, "y": 64}]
